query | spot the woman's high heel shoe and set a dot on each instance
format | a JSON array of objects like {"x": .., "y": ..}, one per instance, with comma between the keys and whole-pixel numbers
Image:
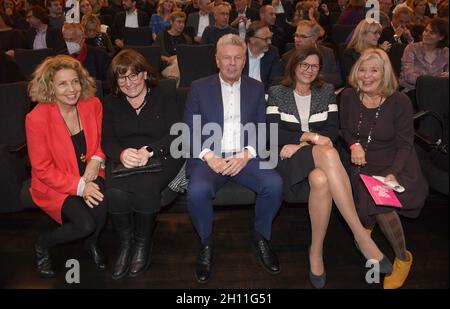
[{"x": 317, "y": 281}]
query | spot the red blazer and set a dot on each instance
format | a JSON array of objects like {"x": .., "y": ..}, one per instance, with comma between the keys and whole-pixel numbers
[{"x": 54, "y": 168}]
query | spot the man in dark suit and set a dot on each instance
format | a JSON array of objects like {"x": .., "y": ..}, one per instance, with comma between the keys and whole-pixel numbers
[
  {"x": 41, "y": 35},
  {"x": 398, "y": 31},
  {"x": 95, "y": 60},
  {"x": 198, "y": 21},
  {"x": 263, "y": 60},
  {"x": 307, "y": 34},
  {"x": 242, "y": 16},
  {"x": 229, "y": 101},
  {"x": 131, "y": 18}
]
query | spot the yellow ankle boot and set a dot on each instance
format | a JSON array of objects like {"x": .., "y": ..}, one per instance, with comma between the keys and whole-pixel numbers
[
  {"x": 399, "y": 273},
  {"x": 369, "y": 229}
]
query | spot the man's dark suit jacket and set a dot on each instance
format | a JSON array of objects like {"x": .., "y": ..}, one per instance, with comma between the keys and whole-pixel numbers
[
  {"x": 53, "y": 38},
  {"x": 119, "y": 23},
  {"x": 192, "y": 23},
  {"x": 250, "y": 13},
  {"x": 270, "y": 67},
  {"x": 328, "y": 71},
  {"x": 205, "y": 99}
]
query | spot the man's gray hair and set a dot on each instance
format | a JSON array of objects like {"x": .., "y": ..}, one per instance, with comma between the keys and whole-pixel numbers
[{"x": 231, "y": 39}]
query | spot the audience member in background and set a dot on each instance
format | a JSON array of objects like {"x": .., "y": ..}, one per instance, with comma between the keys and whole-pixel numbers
[
  {"x": 419, "y": 9},
  {"x": 64, "y": 145},
  {"x": 268, "y": 16},
  {"x": 241, "y": 16},
  {"x": 282, "y": 7},
  {"x": 307, "y": 34},
  {"x": 131, "y": 17},
  {"x": 56, "y": 14},
  {"x": 198, "y": 21},
  {"x": 10, "y": 38},
  {"x": 428, "y": 57},
  {"x": 366, "y": 35},
  {"x": 93, "y": 34},
  {"x": 386, "y": 7},
  {"x": 192, "y": 7},
  {"x": 305, "y": 110},
  {"x": 443, "y": 10},
  {"x": 167, "y": 40},
  {"x": 161, "y": 20},
  {"x": 41, "y": 35},
  {"x": 136, "y": 125},
  {"x": 17, "y": 17},
  {"x": 213, "y": 33},
  {"x": 353, "y": 13},
  {"x": 262, "y": 59},
  {"x": 377, "y": 124},
  {"x": 398, "y": 31},
  {"x": 95, "y": 60}
]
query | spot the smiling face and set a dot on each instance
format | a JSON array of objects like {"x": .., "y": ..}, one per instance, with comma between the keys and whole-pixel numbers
[
  {"x": 369, "y": 76},
  {"x": 132, "y": 84},
  {"x": 307, "y": 70},
  {"x": 430, "y": 37},
  {"x": 230, "y": 60},
  {"x": 67, "y": 87}
]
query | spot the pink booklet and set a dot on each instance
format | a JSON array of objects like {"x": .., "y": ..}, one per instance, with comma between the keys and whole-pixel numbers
[{"x": 381, "y": 193}]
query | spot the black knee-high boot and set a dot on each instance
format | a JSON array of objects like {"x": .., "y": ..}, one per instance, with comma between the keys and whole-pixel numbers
[
  {"x": 123, "y": 227},
  {"x": 43, "y": 260},
  {"x": 142, "y": 243}
]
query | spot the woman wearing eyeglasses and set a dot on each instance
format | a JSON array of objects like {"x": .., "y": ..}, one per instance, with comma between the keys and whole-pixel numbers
[
  {"x": 306, "y": 113},
  {"x": 136, "y": 125},
  {"x": 366, "y": 35}
]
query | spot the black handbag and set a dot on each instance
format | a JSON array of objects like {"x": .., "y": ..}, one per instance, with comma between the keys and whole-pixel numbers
[{"x": 153, "y": 165}]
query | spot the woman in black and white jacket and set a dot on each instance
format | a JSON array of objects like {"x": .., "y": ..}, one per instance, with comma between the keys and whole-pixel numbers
[{"x": 306, "y": 113}]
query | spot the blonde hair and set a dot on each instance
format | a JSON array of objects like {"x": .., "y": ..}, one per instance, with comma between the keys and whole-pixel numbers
[
  {"x": 160, "y": 7},
  {"x": 41, "y": 86},
  {"x": 358, "y": 40},
  {"x": 231, "y": 39},
  {"x": 90, "y": 20},
  {"x": 388, "y": 83}
]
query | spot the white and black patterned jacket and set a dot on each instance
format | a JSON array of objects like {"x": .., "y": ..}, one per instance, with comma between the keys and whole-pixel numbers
[{"x": 282, "y": 109}]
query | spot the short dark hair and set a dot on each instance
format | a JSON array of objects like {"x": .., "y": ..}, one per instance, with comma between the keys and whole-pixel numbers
[
  {"x": 297, "y": 57},
  {"x": 253, "y": 28},
  {"x": 440, "y": 25},
  {"x": 39, "y": 13},
  {"x": 129, "y": 59}
]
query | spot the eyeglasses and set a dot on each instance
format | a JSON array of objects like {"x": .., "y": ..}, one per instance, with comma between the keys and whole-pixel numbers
[
  {"x": 131, "y": 77},
  {"x": 268, "y": 39},
  {"x": 375, "y": 32},
  {"x": 301, "y": 36},
  {"x": 305, "y": 67}
]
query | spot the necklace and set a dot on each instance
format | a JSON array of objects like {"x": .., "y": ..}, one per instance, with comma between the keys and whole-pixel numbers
[
  {"x": 140, "y": 106},
  {"x": 369, "y": 136},
  {"x": 82, "y": 155}
]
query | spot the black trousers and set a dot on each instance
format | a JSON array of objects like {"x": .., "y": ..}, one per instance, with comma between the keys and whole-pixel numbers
[
  {"x": 123, "y": 202},
  {"x": 78, "y": 221}
]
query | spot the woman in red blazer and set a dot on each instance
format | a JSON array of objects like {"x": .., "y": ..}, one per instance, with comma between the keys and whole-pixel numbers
[{"x": 64, "y": 145}]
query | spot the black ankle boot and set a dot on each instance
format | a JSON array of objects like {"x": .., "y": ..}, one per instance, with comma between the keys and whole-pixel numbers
[
  {"x": 122, "y": 226},
  {"x": 142, "y": 245},
  {"x": 97, "y": 256},
  {"x": 44, "y": 262}
]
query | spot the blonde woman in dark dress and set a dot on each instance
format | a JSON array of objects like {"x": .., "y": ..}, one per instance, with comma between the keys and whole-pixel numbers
[{"x": 377, "y": 123}]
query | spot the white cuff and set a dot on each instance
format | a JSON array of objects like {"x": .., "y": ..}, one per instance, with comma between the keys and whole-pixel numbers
[
  {"x": 251, "y": 150},
  {"x": 202, "y": 154},
  {"x": 102, "y": 162},
  {"x": 81, "y": 185}
]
